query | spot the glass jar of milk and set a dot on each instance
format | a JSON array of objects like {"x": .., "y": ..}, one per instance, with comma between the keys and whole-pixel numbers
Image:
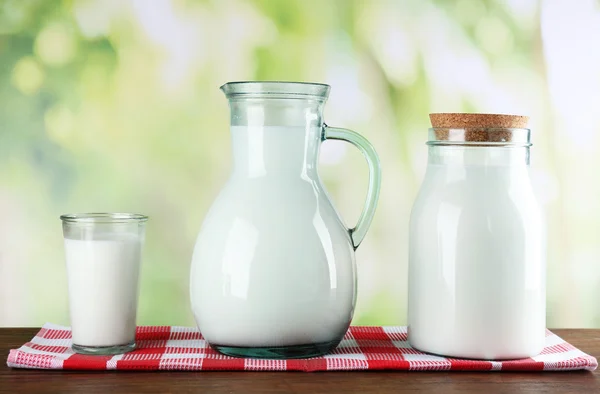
[{"x": 477, "y": 249}]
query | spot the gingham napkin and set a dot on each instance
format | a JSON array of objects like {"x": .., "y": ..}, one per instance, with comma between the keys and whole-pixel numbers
[{"x": 183, "y": 348}]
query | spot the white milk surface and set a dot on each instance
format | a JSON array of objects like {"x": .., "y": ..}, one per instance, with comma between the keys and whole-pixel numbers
[
  {"x": 273, "y": 264},
  {"x": 477, "y": 268},
  {"x": 103, "y": 289}
]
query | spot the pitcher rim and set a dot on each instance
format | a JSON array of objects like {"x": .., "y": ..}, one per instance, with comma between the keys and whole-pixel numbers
[{"x": 276, "y": 89}]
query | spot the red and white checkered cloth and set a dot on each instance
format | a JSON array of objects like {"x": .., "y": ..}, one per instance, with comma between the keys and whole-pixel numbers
[{"x": 183, "y": 348}]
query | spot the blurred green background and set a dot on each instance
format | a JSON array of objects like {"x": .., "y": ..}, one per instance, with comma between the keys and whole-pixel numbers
[{"x": 111, "y": 105}]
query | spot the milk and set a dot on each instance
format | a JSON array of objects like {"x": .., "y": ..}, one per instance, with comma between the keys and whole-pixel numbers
[
  {"x": 103, "y": 289},
  {"x": 477, "y": 264},
  {"x": 273, "y": 264}
]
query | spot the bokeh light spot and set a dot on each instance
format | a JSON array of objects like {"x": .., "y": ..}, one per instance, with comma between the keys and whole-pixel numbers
[
  {"x": 494, "y": 36},
  {"x": 55, "y": 45},
  {"x": 59, "y": 123},
  {"x": 28, "y": 75},
  {"x": 469, "y": 11}
]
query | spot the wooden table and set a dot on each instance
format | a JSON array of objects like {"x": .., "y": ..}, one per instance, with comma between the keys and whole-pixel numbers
[{"x": 22, "y": 380}]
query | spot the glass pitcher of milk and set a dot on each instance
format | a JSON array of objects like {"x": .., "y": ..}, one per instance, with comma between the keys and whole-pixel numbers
[
  {"x": 273, "y": 273},
  {"x": 477, "y": 249}
]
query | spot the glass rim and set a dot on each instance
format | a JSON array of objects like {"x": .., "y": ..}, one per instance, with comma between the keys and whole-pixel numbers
[
  {"x": 479, "y": 136},
  {"x": 103, "y": 217},
  {"x": 276, "y": 89}
]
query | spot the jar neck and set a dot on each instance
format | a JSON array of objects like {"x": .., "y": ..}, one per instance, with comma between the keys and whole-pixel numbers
[{"x": 487, "y": 156}]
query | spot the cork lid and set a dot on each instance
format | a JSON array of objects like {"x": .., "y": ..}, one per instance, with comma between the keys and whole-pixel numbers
[
  {"x": 479, "y": 128},
  {"x": 461, "y": 121}
]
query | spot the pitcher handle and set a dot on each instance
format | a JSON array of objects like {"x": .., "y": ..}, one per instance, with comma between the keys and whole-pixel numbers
[{"x": 366, "y": 217}]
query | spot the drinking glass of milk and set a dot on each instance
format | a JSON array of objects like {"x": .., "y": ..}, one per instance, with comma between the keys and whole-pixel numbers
[{"x": 103, "y": 255}]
